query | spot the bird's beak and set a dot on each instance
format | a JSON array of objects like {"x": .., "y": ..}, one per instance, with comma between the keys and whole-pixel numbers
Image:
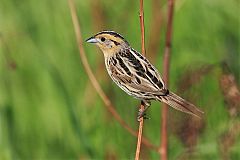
[{"x": 92, "y": 40}]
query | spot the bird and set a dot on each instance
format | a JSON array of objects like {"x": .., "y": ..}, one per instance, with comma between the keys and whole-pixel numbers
[{"x": 135, "y": 75}]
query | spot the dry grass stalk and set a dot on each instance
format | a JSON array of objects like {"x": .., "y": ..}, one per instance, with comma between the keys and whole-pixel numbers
[{"x": 140, "y": 129}]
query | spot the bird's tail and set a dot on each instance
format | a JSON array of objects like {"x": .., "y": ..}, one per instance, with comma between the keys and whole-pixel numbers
[{"x": 180, "y": 104}]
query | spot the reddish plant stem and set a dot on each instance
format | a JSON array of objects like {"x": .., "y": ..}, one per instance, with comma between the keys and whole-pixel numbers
[
  {"x": 140, "y": 129},
  {"x": 139, "y": 140},
  {"x": 166, "y": 67},
  {"x": 141, "y": 16}
]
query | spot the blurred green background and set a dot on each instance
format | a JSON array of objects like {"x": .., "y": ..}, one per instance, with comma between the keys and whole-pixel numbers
[{"x": 49, "y": 109}]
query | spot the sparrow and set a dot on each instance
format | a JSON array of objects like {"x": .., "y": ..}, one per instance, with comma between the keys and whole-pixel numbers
[{"x": 135, "y": 75}]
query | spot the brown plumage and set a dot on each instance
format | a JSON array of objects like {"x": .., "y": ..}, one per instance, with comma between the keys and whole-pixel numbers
[{"x": 134, "y": 74}]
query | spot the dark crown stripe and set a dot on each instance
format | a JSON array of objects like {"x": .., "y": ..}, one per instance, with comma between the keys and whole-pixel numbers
[
  {"x": 111, "y": 33},
  {"x": 115, "y": 34}
]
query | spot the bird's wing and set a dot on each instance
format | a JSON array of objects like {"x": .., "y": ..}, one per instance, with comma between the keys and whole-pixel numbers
[{"x": 137, "y": 74}]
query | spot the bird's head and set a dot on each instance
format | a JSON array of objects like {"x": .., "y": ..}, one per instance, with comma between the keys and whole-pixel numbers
[{"x": 109, "y": 42}]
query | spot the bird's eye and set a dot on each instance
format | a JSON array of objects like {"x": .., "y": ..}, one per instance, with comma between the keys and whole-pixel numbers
[{"x": 103, "y": 39}]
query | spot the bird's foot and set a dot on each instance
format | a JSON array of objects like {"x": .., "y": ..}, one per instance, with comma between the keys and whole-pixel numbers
[{"x": 142, "y": 113}]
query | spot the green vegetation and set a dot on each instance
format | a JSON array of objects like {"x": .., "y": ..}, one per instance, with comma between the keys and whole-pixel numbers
[{"x": 49, "y": 109}]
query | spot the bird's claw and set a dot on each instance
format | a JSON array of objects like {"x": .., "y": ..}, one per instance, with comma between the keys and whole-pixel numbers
[{"x": 142, "y": 114}]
